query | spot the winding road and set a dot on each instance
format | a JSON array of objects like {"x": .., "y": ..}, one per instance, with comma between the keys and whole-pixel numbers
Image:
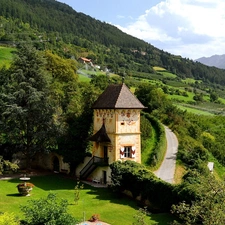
[{"x": 167, "y": 168}]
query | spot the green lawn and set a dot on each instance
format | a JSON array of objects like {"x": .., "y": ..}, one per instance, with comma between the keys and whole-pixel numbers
[
  {"x": 83, "y": 78},
  {"x": 113, "y": 209}
]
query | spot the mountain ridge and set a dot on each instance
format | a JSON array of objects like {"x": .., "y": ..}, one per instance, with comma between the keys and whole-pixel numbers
[{"x": 214, "y": 60}]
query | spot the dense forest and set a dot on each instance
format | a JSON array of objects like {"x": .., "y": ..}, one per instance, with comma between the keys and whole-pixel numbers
[{"x": 55, "y": 25}]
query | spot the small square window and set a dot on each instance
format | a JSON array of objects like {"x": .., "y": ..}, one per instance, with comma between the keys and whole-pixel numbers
[{"x": 127, "y": 151}]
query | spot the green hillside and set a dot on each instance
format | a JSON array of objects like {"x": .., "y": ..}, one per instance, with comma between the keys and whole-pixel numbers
[
  {"x": 54, "y": 25},
  {"x": 179, "y": 91}
]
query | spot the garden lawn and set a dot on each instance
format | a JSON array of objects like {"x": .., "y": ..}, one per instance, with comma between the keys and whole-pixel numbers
[{"x": 113, "y": 209}]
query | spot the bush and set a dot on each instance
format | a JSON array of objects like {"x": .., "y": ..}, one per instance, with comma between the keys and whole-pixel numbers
[
  {"x": 146, "y": 128},
  {"x": 192, "y": 153},
  {"x": 208, "y": 208},
  {"x": 8, "y": 219},
  {"x": 47, "y": 211},
  {"x": 6, "y": 165},
  {"x": 158, "y": 152},
  {"x": 135, "y": 178}
]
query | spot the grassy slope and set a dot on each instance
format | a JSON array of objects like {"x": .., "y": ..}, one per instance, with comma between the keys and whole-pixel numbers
[
  {"x": 194, "y": 110},
  {"x": 183, "y": 102},
  {"x": 5, "y": 56}
]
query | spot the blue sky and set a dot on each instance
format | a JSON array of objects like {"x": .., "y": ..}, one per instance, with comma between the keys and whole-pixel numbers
[{"x": 190, "y": 28}]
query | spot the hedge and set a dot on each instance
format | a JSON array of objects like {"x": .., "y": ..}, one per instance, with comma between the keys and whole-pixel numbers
[
  {"x": 142, "y": 183},
  {"x": 157, "y": 155}
]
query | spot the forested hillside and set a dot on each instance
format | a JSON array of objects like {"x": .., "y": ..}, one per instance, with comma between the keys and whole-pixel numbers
[{"x": 54, "y": 25}]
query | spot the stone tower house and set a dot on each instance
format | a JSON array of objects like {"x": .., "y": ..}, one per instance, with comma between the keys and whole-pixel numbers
[{"x": 117, "y": 134}]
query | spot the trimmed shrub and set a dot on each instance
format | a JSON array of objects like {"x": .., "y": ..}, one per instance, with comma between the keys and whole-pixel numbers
[
  {"x": 142, "y": 183},
  {"x": 134, "y": 177},
  {"x": 159, "y": 151}
]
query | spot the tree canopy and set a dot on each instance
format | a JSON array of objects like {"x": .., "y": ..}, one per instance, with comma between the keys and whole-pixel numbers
[{"x": 27, "y": 112}]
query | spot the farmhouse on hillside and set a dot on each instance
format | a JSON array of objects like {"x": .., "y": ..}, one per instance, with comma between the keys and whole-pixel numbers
[{"x": 84, "y": 60}]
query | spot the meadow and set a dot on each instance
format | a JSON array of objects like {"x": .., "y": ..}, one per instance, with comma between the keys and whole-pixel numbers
[{"x": 6, "y": 56}]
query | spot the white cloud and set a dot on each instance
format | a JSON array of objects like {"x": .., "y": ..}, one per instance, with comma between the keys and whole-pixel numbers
[
  {"x": 191, "y": 28},
  {"x": 120, "y": 16}
]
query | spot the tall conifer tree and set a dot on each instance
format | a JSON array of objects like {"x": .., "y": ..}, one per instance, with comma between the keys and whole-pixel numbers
[{"x": 27, "y": 113}]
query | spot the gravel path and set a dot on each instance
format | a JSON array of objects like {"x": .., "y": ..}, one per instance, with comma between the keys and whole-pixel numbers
[
  {"x": 21, "y": 174},
  {"x": 167, "y": 168}
]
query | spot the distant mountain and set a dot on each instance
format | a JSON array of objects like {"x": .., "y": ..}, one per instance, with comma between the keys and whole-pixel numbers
[{"x": 215, "y": 60}]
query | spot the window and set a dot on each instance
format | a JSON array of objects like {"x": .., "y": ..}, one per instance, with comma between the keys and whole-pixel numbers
[{"x": 127, "y": 151}]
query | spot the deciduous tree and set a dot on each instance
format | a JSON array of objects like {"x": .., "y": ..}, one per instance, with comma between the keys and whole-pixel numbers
[{"x": 209, "y": 209}]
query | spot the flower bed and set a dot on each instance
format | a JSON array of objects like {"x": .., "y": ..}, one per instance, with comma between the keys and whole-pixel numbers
[{"x": 94, "y": 218}]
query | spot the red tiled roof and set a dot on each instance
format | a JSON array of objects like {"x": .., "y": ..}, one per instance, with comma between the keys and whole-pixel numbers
[{"x": 85, "y": 59}]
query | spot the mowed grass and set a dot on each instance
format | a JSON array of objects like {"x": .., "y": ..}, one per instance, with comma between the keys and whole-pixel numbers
[
  {"x": 112, "y": 208},
  {"x": 158, "y": 68},
  {"x": 167, "y": 74},
  {"x": 164, "y": 72},
  {"x": 182, "y": 98},
  {"x": 85, "y": 75},
  {"x": 83, "y": 78},
  {"x": 6, "y": 55}
]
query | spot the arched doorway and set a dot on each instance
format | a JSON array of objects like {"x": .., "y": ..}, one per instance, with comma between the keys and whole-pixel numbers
[{"x": 56, "y": 164}]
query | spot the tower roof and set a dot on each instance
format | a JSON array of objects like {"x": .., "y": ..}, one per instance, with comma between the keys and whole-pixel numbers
[
  {"x": 101, "y": 135},
  {"x": 117, "y": 96}
]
